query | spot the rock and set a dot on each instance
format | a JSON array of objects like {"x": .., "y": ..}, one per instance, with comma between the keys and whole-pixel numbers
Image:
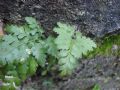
[
  {"x": 100, "y": 70},
  {"x": 96, "y": 17},
  {"x": 104, "y": 71}
]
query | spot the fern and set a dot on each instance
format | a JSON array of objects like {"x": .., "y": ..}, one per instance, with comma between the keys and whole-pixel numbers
[
  {"x": 71, "y": 45},
  {"x": 25, "y": 47},
  {"x": 21, "y": 39},
  {"x": 39, "y": 53},
  {"x": 32, "y": 64},
  {"x": 51, "y": 46}
]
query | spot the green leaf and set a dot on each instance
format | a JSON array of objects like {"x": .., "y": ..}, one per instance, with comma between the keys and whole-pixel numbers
[
  {"x": 12, "y": 52},
  {"x": 65, "y": 33},
  {"x": 22, "y": 51},
  {"x": 8, "y": 39},
  {"x": 96, "y": 87},
  {"x": 20, "y": 36},
  {"x": 32, "y": 66},
  {"x": 12, "y": 72},
  {"x": 34, "y": 25},
  {"x": 33, "y": 32},
  {"x": 63, "y": 53},
  {"x": 5, "y": 54},
  {"x": 32, "y": 22},
  {"x": 22, "y": 69},
  {"x": 63, "y": 29},
  {"x": 67, "y": 65},
  {"x": 82, "y": 45},
  {"x": 13, "y": 29},
  {"x": 51, "y": 46},
  {"x": 39, "y": 52},
  {"x": 63, "y": 42},
  {"x": 71, "y": 46}
]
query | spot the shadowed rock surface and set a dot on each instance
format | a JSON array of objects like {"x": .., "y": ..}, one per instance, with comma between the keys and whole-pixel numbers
[
  {"x": 100, "y": 70},
  {"x": 104, "y": 71},
  {"x": 96, "y": 17}
]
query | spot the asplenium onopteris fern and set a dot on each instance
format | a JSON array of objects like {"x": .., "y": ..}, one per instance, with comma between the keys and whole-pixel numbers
[
  {"x": 71, "y": 45},
  {"x": 22, "y": 42},
  {"x": 25, "y": 47}
]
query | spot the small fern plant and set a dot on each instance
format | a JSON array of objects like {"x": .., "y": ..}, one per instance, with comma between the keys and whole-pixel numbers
[
  {"x": 25, "y": 47},
  {"x": 71, "y": 46}
]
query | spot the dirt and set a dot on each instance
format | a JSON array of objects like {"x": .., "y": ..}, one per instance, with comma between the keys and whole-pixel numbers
[{"x": 104, "y": 71}]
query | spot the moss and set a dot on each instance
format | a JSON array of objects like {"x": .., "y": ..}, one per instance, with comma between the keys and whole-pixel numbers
[{"x": 107, "y": 46}]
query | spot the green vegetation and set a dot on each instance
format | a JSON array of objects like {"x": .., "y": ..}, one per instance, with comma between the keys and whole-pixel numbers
[
  {"x": 25, "y": 47},
  {"x": 71, "y": 45},
  {"x": 110, "y": 45},
  {"x": 96, "y": 87}
]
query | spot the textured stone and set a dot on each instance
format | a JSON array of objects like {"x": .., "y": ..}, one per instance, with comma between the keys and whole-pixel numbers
[{"x": 96, "y": 17}]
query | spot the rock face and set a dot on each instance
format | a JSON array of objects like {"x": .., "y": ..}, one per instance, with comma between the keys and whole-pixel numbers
[
  {"x": 104, "y": 71},
  {"x": 100, "y": 70},
  {"x": 97, "y": 17}
]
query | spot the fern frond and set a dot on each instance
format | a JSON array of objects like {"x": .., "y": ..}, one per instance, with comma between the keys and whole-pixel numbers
[
  {"x": 39, "y": 53},
  {"x": 33, "y": 24},
  {"x": 71, "y": 46}
]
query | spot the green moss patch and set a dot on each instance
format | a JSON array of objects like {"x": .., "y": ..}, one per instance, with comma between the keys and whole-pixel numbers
[{"x": 108, "y": 46}]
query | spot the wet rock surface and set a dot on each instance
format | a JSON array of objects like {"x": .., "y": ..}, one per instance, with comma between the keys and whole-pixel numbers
[
  {"x": 96, "y": 17},
  {"x": 104, "y": 71}
]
